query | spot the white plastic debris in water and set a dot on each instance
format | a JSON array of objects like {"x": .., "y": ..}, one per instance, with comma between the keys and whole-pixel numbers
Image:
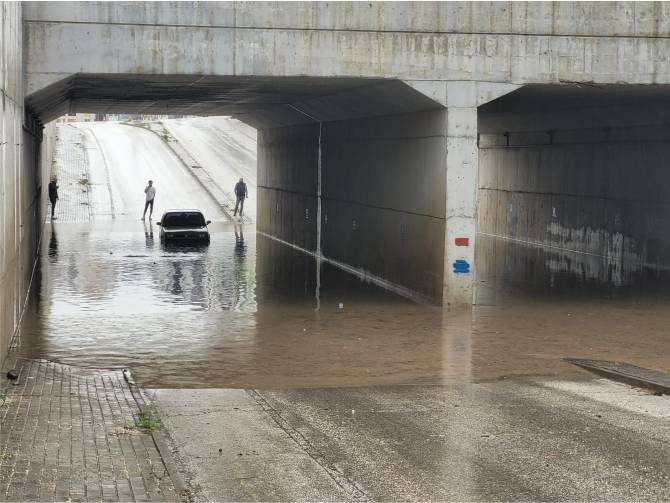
[{"x": 340, "y": 306}]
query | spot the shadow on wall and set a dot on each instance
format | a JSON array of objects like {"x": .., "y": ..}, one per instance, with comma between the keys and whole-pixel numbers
[
  {"x": 382, "y": 184},
  {"x": 578, "y": 170}
]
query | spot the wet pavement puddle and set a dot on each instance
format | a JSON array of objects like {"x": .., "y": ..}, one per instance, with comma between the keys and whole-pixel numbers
[{"x": 248, "y": 312}]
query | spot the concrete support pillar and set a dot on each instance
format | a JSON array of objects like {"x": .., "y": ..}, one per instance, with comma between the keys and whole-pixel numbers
[
  {"x": 461, "y": 214},
  {"x": 462, "y": 100}
]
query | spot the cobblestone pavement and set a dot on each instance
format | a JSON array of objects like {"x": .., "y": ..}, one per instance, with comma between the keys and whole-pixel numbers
[
  {"x": 66, "y": 435},
  {"x": 71, "y": 169}
]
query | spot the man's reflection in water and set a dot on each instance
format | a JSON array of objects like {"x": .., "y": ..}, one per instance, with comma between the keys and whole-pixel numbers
[
  {"x": 53, "y": 245},
  {"x": 149, "y": 234},
  {"x": 240, "y": 269},
  {"x": 240, "y": 247}
]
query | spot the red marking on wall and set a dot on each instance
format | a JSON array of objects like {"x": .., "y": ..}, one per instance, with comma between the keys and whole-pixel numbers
[{"x": 462, "y": 241}]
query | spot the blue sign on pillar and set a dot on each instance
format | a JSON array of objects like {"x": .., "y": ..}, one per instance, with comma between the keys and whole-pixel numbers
[{"x": 461, "y": 267}]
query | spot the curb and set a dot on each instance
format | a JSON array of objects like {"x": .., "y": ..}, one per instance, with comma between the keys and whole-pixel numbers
[
  {"x": 180, "y": 485},
  {"x": 626, "y": 373}
]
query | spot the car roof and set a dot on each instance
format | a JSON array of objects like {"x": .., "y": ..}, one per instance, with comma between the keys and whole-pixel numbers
[{"x": 182, "y": 211}]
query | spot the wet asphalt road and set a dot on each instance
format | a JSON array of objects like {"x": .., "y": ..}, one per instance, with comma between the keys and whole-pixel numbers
[
  {"x": 518, "y": 440},
  {"x": 247, "y": 350}
]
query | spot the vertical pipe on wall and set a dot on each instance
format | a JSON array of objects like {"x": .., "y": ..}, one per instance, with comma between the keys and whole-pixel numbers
[{"x": 319, "y": 256}]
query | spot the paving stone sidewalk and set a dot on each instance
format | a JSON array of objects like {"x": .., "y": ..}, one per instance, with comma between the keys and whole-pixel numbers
[{"x": 66, "y": 435}]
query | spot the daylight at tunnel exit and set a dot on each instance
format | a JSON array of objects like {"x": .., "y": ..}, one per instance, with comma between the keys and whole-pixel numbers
[{"x": 334, "y": 251}]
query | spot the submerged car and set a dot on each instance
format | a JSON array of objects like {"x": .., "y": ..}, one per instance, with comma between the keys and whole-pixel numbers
[{"x": 187, "y": 225}]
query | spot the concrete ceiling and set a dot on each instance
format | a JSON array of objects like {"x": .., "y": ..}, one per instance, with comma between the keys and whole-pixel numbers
[
  {"x": 259, "y": 101},
  {"x": 551, "y": 98},
  {"x": 576, "y": 106}
]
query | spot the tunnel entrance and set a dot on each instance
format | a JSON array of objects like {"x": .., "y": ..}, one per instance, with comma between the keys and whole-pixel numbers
[
  {"x": 573, "y": 190},
  {"x": 350, "y": 186},
  {"x": 349, "y": 169}
]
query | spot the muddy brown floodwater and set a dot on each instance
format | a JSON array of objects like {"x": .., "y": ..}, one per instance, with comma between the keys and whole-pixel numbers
[{"x": 246, "y": 311}]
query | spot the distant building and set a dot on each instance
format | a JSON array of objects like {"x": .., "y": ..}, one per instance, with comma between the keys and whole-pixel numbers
[
  {"x": 80, "y": 117},
  {"x": 77, "y": 118},
  {"x": 139, "y": 117}
]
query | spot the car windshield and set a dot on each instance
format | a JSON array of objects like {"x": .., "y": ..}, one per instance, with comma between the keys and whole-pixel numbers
[{"x": 184, "y": 220}]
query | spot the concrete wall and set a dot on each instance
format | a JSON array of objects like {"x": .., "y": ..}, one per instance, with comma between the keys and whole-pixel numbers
[
  {"x": 383, "y": 186},
  {"x": 19, "y": 179},
  {"x": 288, "y": 160},
  {"x": 592, "y": 180}
]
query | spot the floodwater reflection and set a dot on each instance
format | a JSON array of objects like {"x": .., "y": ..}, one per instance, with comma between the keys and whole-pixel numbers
[
  {"x": 247, "y": 311},
  {"x": 148, "y": 234},
  {"x": 53, "y": 245}
]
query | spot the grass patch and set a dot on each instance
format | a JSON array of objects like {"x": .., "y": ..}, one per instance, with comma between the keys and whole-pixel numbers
[
  {"x": 148, "y": 421},
  {"x": 3, "y": 396}
]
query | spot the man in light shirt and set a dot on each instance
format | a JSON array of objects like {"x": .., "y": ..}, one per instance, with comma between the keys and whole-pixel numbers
[{"x": 150, "y": 192}]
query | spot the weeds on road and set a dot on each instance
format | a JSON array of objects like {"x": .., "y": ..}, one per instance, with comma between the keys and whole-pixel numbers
[
  {"x": 3, "y": 396},
  {"x": 165, "y": 136},
  {"x": 148, "y": 421}
]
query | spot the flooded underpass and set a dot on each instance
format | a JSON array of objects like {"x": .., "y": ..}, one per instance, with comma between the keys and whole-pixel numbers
[
  {"x": 249, "y": 312},
  {"x": 278, "y": 377},
  {"x": 452, "y": 211},
  {"x": 221, "y": 316}
]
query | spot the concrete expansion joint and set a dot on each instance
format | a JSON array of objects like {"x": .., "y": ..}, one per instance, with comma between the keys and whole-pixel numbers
[{"x": 344, "y": 482}]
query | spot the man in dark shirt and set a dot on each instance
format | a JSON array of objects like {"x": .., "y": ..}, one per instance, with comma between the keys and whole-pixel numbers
[
  {"x": 241, "y": 193},
  {"x": 53, "y": 196}
]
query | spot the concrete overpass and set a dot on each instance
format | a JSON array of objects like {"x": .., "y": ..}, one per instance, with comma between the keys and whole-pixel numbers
[{"x": 380, "y": 124}]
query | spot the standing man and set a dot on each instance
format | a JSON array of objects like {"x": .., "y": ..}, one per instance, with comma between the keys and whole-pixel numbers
[
  {"x": 53, "y": 196},
  {"x": 241, "y": 193},
  {"x": 150, "y": 192}
]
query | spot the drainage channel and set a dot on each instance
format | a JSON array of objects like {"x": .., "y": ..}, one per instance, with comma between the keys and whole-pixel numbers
[{"x": 626, "y": 373}]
